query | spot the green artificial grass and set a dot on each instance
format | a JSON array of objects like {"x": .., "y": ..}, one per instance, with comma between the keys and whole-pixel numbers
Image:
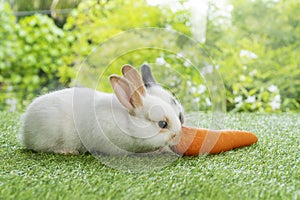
[{"x": 269, "y": 169}]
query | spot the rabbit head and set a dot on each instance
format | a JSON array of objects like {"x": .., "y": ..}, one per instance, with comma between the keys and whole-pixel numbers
[
  {"x": 151, "y": 122},
  {"x": 156, "y": 90}
]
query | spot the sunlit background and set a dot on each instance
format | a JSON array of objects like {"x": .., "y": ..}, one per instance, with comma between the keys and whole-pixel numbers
[{"x": 254, "y": 44}]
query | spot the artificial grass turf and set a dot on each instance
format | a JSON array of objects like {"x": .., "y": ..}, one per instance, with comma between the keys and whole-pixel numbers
[{"x": 269, "y": 169}]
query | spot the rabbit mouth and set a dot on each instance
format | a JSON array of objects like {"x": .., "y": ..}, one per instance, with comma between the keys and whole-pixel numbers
[{"x": 175, "y": 138}]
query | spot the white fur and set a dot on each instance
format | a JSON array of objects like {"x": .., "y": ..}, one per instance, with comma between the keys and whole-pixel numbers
[
  {"x": 76, "y": 120},
  {"x": 158, "y": 91},
  {"x": 155, "y": 89}
]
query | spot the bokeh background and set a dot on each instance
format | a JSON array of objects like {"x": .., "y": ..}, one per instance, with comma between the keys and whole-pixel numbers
[{"x": 254, "y": 44}]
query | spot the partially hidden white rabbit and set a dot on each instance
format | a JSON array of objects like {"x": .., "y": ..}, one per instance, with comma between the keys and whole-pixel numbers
[
  {"x": 155, "y": 89},
  {"x": 77, "y": 120}
]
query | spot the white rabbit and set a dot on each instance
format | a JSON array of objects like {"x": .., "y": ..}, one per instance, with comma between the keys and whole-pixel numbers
[
  {"x": 76, "y": 120},
  {"x": 155, "y": 89}
]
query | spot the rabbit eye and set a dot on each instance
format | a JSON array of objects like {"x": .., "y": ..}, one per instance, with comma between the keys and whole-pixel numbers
[
  {"x": 181, "y": 118},
  {"x": 163, "y": 124}
]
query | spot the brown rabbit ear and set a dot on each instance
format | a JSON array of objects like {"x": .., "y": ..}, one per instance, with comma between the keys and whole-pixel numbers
[
  {"x": 132, "y": 75},
  {"x": 126, "y": 94}
]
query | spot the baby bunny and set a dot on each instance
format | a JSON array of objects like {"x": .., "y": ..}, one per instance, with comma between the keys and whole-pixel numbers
[
  {"x": 76, "y": 120},
  {"x": 155, "y": 89}
]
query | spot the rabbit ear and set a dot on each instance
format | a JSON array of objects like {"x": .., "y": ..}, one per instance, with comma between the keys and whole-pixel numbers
[
  {"x": 131, "y": 74},
  {"x": 147, "y": 76},
  {"x": 127, "y": 95}
]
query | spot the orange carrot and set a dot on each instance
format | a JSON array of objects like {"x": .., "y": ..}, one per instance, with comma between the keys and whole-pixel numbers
[{"x": 195, "y": 141}]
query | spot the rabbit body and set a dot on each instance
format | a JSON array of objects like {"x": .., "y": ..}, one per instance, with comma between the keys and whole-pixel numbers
[
  {"x": 48, "y": 124},
  {"x": 77, "y": 120}
]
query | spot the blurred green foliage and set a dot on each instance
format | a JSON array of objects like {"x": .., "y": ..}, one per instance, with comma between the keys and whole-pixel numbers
[
  {"x": 259, "y": 56},
  {"x": 255, "y": 50},
  {"x": 32, "y": 56},
  {"x": 56, "y": 9}
]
